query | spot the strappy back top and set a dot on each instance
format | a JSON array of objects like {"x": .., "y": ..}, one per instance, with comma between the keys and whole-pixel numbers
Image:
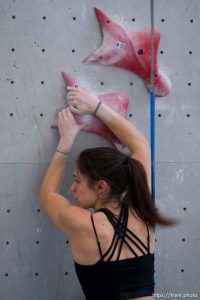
[{"x": 119, "y": 279}]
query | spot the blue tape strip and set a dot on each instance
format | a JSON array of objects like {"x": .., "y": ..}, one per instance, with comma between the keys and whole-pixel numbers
[
  {"x": 152, "y": 119},
  {"x": 152, "y": 106}
]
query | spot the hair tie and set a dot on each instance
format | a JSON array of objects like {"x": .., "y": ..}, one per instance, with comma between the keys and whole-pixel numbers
[{"x": 126, "y": 161}]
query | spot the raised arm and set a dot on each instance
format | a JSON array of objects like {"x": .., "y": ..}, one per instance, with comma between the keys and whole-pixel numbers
[{"x": 84, "y": 102}]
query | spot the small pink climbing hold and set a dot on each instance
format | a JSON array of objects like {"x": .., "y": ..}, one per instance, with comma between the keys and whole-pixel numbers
[
  {"x": 129, "y": 50},
  {"x": 118, "y": 101}
]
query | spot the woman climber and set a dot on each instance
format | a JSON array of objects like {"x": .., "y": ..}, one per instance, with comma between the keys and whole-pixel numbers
[{"x": 113, "y": 247}]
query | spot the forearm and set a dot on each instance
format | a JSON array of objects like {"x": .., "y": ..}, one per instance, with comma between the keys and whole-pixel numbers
[
  {"x": 126, "y": 132},
  {"x": 68, "y": 130},
  {"x": 54, "y": 176}
]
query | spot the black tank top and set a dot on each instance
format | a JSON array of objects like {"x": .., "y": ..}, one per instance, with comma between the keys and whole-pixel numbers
[{"x": 119, "y": 279}]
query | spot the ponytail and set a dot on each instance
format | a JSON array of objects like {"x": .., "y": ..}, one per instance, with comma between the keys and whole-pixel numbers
[{"x": 138, "y": 195}]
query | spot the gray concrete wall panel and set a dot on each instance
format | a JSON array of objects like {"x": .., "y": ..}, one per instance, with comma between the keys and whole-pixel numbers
[
  {"x": 178, "y": 196},
  {"x": 38, "y": 40}
]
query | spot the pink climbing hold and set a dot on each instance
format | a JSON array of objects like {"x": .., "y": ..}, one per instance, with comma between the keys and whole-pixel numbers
[
  {"x": 118, "y": 101},
  {"x": 129, "y": 50}
]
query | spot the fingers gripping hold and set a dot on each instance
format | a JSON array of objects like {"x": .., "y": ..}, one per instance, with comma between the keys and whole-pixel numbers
[
  {"x": 72, "y": 98},
  {"x": 81, "y": 101},
  {"x": 75, "y": 110},
  {"x": 65, "y": 114},
  {"x": 72, "y": 101}
]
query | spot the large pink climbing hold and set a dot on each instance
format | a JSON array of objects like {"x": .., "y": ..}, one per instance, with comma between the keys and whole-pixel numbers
[
  {"x": 129, "y": 50},
  {"x": 118, "y": 101}
]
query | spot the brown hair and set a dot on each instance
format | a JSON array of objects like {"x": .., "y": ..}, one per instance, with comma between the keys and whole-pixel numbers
[{"x": 124, "y": 175}]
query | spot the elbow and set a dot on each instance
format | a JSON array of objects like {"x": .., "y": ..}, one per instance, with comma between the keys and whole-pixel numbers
[
  {"x": 43, "y": 197},
  {"x": 44, "y": 193},
  {"x": 147, "y": 147},
  {"x": 142, "y": 146},
  {"x": 43, "y": 201},
  {"x": 144, "y": 143}
]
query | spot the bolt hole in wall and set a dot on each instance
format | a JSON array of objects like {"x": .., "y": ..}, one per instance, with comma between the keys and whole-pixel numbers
[{"x": 140, "y": 52}]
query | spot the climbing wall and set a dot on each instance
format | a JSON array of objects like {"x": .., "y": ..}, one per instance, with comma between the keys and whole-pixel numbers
[{"x": 40, "y": 39}]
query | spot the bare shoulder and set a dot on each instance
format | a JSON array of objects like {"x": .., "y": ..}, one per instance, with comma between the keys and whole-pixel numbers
[
  {"x": 101, "y": 225},
  {"x": 84, "y": 245}
]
